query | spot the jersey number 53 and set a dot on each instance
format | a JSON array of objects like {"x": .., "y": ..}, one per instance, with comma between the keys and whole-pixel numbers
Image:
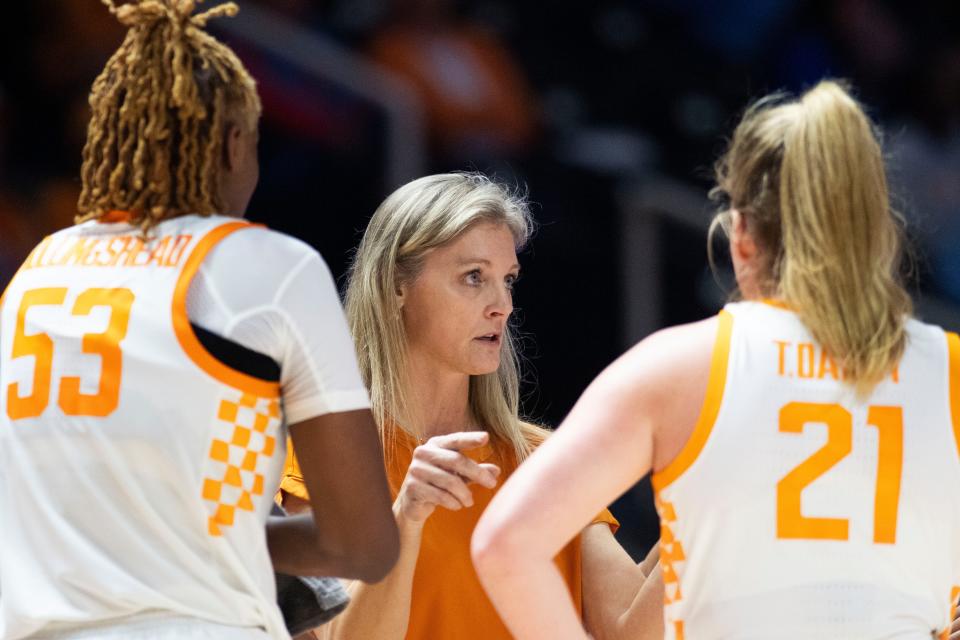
[{"x": 70, "y": 399}]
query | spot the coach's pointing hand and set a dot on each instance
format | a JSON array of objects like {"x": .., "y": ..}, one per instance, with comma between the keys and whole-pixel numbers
[{"x": 440, "y": 474}]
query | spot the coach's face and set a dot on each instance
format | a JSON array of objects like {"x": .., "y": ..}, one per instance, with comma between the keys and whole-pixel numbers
[{"x": 456, "y": 310}]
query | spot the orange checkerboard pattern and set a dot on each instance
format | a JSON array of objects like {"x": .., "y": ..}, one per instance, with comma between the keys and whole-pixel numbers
[
  {"x": 671, "y": 554},
  {"x": 246, "y": 439}
]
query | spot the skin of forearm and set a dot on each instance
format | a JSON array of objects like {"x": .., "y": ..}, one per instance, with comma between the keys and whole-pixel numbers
[
  {"x": 650, "y": 561},
  {"x": 382, "y": 610},
  {"x": 546, "y": 610},
  {"x": 644, "y": 619},
  {"x": 610, "y": 580},
  {"x": 295, "y": 549}
]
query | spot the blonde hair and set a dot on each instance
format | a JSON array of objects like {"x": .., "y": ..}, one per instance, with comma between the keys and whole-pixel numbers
[
  {"x": 160, "y": 107},
  {"x": 808, "y": 176},
  {"x": 419, "y": 216}
]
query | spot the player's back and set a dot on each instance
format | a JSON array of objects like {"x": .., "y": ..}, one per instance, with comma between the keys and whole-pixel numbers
[
  {"x": 137, "y": 466},
  {"x": 797, "y": 510}
]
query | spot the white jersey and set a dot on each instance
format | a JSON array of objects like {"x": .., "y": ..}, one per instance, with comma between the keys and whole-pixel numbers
[
  {"x": 282, "y": 304},
  {"x": 138, "y": 467},
  {"x": 797, "y": 511}
]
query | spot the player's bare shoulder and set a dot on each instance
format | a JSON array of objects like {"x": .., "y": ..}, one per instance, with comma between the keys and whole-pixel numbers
[
  {"x": 665, "y": 377},
  {"x": 672, "y": 360}
]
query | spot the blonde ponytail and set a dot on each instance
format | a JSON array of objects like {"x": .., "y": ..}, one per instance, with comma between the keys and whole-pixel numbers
[{"x": 809, "y": 177}]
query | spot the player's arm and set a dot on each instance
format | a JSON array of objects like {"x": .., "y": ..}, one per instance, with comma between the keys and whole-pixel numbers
[
  {"x": 287, "y": 308},
  {"x": 351, "y": 532},
  {"x": 299, "y": 322},
  {"x": 620, "y": 599},
  {"x": 601, "y": 449},
  {"x": 652, "y": 560}
]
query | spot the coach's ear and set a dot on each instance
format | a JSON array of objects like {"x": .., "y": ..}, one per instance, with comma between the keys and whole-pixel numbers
[{"x": 401, "y": 293}]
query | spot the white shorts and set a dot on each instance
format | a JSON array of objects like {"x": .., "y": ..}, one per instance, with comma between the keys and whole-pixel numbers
[{"x": 158, "y": 626}]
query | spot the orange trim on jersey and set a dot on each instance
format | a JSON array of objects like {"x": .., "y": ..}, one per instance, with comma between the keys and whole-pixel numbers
[
  {"x": 185, "y": 335},
  {"x": 776, "y": 302},
  {"x": 953, "y": 350},
  {"x": 116, "y": 216},
  {"x": 708, "y": 412}
]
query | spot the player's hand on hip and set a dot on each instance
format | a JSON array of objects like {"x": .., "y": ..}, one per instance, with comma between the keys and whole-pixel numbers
[{"x": 440, "y": 475}]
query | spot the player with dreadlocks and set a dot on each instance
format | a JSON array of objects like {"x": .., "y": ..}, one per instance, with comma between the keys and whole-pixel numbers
[{"x": 153, "y": 358}]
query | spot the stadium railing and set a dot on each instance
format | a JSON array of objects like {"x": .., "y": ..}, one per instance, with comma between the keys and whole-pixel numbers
[{"x": 325, "y": 59}]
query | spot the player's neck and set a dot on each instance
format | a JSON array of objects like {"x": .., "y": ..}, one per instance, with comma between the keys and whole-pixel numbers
[{"x": 755, "y": 287}]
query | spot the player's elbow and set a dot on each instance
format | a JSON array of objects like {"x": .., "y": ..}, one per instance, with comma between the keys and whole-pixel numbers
[
  {"x": 366, "y": 564},
  {"x": 381, "y": 556},
  {"x": 373, "y": 556},
  {"x": 493, "y": 548}
]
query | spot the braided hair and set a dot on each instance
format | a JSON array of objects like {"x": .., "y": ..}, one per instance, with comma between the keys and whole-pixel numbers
[{"x": 159, "y": 111}]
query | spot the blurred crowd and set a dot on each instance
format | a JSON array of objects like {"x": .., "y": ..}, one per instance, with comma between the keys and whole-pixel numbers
[{"x": 568, "y": 100}]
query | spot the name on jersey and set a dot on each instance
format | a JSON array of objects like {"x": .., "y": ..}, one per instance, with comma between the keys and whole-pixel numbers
[
  {"x": 807, "y": 360},
  {"x": 115, "y": 251}
]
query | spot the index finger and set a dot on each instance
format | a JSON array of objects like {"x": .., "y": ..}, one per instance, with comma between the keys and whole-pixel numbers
[{"x": 462, "y": 440}]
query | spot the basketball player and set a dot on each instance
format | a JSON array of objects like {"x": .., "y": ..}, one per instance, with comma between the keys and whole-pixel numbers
[
  {"x": 804, "y": 442},
  {"x": 150, "y": 359}
]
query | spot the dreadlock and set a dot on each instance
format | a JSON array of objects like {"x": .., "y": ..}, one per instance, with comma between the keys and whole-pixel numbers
[{"x": 160, "y": 105}]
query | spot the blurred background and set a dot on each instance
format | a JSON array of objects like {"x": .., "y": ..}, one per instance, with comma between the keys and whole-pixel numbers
[{"x": 608, "y": 113}]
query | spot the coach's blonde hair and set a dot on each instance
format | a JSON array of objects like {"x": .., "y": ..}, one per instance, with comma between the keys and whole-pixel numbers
[
  {"x": 416, "y": 218},
  {"x": 160, "y": 107},
  {"x": 808, "y": 176}
]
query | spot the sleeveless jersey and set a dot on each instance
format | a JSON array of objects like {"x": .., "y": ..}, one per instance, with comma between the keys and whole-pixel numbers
[
  {"x": 798, "y": 511},
  {"x": 138, "y": 469}
]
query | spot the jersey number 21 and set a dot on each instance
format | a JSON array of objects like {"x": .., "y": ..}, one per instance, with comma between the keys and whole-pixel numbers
[{"x": 889, "y": 424}]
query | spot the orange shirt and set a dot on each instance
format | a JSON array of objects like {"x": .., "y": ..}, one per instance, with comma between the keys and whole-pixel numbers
[{"x": 448, "y": 601}]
